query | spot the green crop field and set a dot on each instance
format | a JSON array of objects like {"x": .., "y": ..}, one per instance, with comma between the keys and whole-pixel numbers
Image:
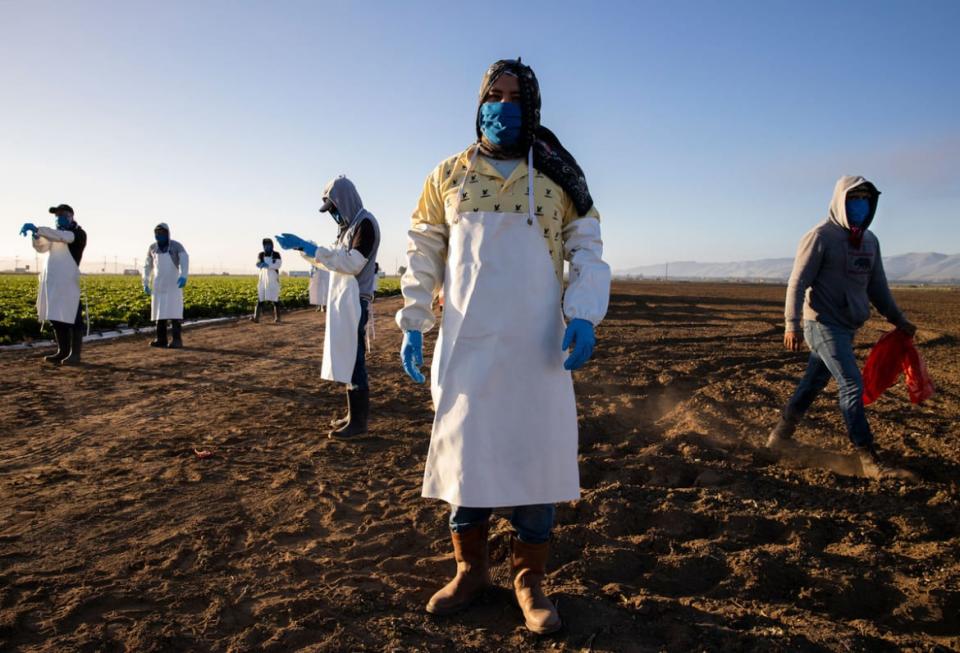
[{"x": 118, "y": 301}]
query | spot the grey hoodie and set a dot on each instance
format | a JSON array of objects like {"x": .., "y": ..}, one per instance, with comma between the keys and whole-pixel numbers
[
  {"x": 833, "y": 281},
  {"x": 344, "y": 195}
]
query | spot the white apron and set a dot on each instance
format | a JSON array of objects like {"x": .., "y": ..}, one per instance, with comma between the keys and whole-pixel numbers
[
  {"x": 343, "y": 321},
  {"x": 58, "y": 295},
  {"x": 268, "y": 285},
  {"x": 505, "y": 431},
  {"x": 166, "y": 299},
  {"x": 319, "y": 286}
]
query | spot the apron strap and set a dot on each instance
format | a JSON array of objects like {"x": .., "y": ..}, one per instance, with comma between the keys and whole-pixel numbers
[{"x": 530, "y": 200}]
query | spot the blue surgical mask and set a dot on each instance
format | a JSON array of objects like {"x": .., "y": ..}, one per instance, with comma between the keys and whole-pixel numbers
[
  {"x": 64, "y": 221},
  {"x": 858, "y": 209},
  {"x": 500, "y": 122}
]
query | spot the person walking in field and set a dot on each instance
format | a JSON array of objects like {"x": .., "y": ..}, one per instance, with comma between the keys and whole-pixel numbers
[
  {"x": 58, "y": 294},
  {"x": 837, "y": 274},
  {"x": 352, "y": 264},
  {"x": 165, "y": 271},
  {"x": 268, "y": 283},
  {"x": 492, "y": 229}
]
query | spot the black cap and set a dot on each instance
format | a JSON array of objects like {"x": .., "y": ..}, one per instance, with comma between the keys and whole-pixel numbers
[
  {"x": 327, "y": 205},
  {"x": 63, "y": 208},
  {"x": 267, "y": 241}
]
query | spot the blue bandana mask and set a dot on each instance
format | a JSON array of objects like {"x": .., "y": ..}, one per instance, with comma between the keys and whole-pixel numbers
[
  {"x": 64, "y": 222},
  {"x": 500, "y": 122},
  {"x": 857, "y": 211}
]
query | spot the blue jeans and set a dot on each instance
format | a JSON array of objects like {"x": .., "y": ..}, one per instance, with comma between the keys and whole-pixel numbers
[
  {"x": 532, "y": 523},
  {"x": 359, "y": 379},
  {"x": 831, "y": 354}
]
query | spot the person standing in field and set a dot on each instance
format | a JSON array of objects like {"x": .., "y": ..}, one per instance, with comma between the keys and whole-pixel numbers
[
  {"x": 268, "y": 283},
  {"x": 351, "y": 262},
  {"x": 319, "y": 286},
  {"x": 165, "y": 271},
  {"x": 837, "y": 274},
  {"x": 493, "y": 227},
  {"x": 58, "y": 294}
]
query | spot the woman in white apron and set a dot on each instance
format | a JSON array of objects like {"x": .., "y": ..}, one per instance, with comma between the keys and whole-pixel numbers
[
  {"x": 319, "y": 287},
  {"x": 58, "y": 292},
  {"x": 493, "y": 227},
  {"x": 165, "y": 271},
  {"x": 268, "y": 283},
  {"x": 352, "y": 263}
]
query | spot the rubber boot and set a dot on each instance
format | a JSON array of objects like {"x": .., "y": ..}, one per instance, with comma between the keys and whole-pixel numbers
[
  {"x": 176, "y": 342},
  {"x": 874, "y": 467},
  {"x": 61, "y": 335},
  {"x": 340, "y": 422},
  {"x": 161, "y": 339},
  {"x": 256, "y": 312},
  {"x": 782, "y": 434},
  {"x": 471, "y": 551},
  {"x": 359, "y": 403},
  {"x": 529, "y": 563},
  {"x": 76, "y": 346},
  {"x": 276, "y": 312}
]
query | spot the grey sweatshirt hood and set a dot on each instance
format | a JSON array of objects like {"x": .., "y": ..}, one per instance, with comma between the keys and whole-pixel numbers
[
  {"x": 838, "y": 204},
  {"x": 345, "y": 197}
]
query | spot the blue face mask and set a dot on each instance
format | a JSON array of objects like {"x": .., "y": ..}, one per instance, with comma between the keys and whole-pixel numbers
[
  {"x": 335, "y": 214},
  {"x": 267, "y": 248},
  {"x": 857, "y": 211},
  {"x": 64, "y": 221},
  {"x": 500, "y": 122},
  {"x": 162, "y": 239}
]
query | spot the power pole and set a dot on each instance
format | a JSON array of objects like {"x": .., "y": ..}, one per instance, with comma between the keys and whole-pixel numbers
[{"x": 666, "y": 271}]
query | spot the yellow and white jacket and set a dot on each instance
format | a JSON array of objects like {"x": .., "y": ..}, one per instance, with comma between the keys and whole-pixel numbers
[{"x": 568, "y": 236}]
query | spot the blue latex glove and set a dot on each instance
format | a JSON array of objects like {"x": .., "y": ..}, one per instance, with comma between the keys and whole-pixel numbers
[
  {"x": 181, "y": 282},
  {"x": 579, "y": 333},
  {"x": 261, "y": 265},
  {"x": 411, "y": 353},
  {"x": 28, "y": 226},
  {"x": 291, "y": 241},
  {"x": 146, "y": 289}
]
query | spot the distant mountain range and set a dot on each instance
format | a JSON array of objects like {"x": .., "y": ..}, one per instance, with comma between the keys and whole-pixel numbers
[{"x": 928, "y": 267}]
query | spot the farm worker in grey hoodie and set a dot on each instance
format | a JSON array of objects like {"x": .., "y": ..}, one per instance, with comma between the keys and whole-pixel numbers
[
  {"x": 837, "y": 274},
  {"x": 165, "y": 273},
  {"x": 352, "y": 263}
]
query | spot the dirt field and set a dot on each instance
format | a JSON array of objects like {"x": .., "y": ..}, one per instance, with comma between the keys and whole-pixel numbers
[{"x": 114, "y": 536}]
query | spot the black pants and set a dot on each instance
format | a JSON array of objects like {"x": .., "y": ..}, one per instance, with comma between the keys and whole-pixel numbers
[
  {"x": 77, "y": 322},
  {"x": 359, "y": 379}
]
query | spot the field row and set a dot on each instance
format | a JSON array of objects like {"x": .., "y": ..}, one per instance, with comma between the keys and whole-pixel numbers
[{"x": 119, "y": 301}]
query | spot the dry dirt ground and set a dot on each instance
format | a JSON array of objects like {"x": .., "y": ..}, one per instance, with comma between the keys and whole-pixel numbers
[{"x": 115, "y": 536}]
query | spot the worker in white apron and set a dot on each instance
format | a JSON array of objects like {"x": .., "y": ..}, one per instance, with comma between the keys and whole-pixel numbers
[
  {"x": 165, "y": 271},
  {"x": 493, "y": 227},
  {"x": 58, "y": 294},
  {"x": 319, "y": 287},
  {"x": 268, "y": 283},
  {"x": 352, "y": 263}
]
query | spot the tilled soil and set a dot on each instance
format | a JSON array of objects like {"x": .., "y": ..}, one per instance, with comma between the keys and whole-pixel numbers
[{"x": 116, "y": 536}]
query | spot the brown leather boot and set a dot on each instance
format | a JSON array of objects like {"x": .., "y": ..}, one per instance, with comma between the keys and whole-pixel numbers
[
  {"x": 471, "y": 551},
  {"x": 529, "y": 562}
]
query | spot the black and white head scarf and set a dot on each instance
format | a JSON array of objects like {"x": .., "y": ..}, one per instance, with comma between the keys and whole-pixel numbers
[{"x": 549, "y": 156}]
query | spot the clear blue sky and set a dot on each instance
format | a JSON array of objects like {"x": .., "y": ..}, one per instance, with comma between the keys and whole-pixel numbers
[{"x": 710, "y": 131}]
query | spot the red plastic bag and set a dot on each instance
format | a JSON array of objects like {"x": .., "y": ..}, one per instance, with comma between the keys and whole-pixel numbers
[{"x": 894, "y": 354}]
